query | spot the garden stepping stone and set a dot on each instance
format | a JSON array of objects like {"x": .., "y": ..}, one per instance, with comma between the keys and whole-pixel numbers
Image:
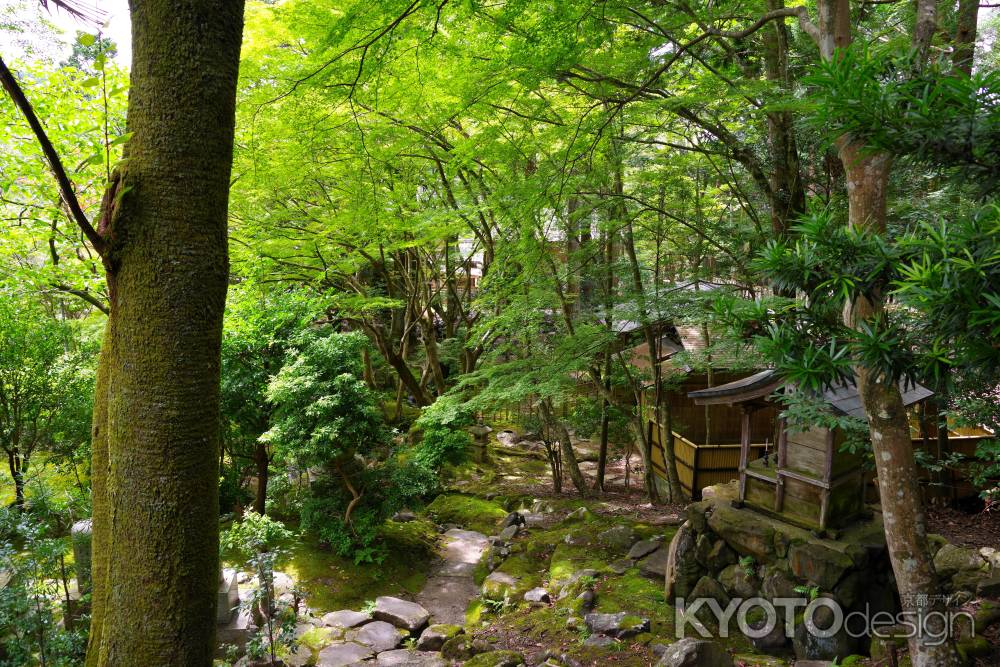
[
  {"x": 341, "y": 654},
  {"x": 346, "y": 618},
  {"x": 600, "y": 641},
  {"x": 402, "y": 657},
  {"x": 378, "y": 635},
  {"x": 401, "y": 613}
]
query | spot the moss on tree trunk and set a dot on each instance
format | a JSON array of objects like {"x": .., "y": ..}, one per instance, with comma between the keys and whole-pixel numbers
[{"x": 156, "y": 417}]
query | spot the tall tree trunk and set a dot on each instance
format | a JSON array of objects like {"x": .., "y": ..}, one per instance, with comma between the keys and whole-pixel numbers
[
  {"x": 788, "y": 195},
  {"x": 898, "y": 481},
  {"x": 965, "y": 35},
  {"x": 867, "y": 175},
  {"x": 156, "y": 414}
]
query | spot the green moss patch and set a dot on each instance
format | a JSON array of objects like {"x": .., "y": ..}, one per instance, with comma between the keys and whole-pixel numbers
[{"x": 467, "y": 511}]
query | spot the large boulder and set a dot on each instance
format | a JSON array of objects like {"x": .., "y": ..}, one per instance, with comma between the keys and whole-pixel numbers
[
  {"x": 401, "y": 613},
  {"x": 499, "y": 585},
  {"x": 776, "y": 583},
  {"x": 697, "y": 515},
  {"x": 682, "y": 571},
  {"x": 618, "y": 625},
  {"x": 463, "y": 647},
  {"x": 950, "y": 560},
  {"x": 811, "y": 646},
  {"x": 707, "y": 587},
  {"x": 537, "y": 596},
  {"x": 746, "y": 532},
  {"x": 989, "y": 587},
  {"x": 719, "y": 556},
  {"x": 691, "y": 652},
  {"x": 739, "y": 582},
  {"x": 818, "y": 563}
]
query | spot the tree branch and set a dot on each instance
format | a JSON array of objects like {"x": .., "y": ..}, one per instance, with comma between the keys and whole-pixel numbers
[
  {"x": 800, "y": 12},
  {"x": 65, "y": 186}
]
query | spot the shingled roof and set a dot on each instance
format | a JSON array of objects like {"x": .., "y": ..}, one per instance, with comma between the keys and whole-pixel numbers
[{"x": 844, "y": 398}]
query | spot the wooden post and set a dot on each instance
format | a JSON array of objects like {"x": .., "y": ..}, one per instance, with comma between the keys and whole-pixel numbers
[
  {"x": 824, "y": 506},
  {"x": 779, "y": 467},
  {"x": 744, "y": 451}
]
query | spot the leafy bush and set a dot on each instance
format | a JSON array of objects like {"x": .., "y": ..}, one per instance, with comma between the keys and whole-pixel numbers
[
  {"x": 385, "y": 489},
  {"x": 441, "y": 445}
]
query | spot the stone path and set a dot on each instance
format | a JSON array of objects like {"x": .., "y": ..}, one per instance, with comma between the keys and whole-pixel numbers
[{"x": 451, "y": 586}]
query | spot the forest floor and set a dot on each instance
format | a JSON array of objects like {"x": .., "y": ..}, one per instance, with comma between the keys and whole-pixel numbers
[{"x": 453, "y": 558}]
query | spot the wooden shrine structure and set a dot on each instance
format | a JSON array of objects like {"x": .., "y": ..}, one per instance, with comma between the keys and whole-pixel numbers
[{"x": 807, "y": 481}]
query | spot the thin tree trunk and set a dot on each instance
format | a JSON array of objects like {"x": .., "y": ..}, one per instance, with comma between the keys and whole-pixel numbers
[
  {"x": 568, "y": 458},
  {"x": 15, "y": 464},
  {"x": 156, "y": 413},
  {"x": 602, "y": 454},
  {"x": 262, "y": 463}
]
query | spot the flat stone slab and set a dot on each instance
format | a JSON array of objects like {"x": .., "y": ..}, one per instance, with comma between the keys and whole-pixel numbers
[
  {"x": 346, "y": 618},
  {"x": 406, "y": 658},
  {"x": 464, "y": 546},
  {"x": 643, "y": 548},
  {"x": 401, "y": 613},
  {"x": 453, "y": 569},
  {"x": 618, "y": 625},
  {"x": 654, "y": 565},
  {"x": 378, "y": 635},
  {"x": 341, "y": 654},
  {"x": 447, "y": 597}
]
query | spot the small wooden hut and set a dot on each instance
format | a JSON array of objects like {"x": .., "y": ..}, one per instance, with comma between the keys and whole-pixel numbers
[{"x": 807, "y": 481}]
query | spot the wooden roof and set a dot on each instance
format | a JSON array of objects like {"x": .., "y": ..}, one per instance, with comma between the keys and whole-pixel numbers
[
  {"x": 844, "y": 398},
  {"x": 756, "y": 386}
]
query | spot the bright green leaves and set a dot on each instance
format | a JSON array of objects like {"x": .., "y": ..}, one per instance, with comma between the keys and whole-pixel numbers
[{"x": 323, "y": 412}]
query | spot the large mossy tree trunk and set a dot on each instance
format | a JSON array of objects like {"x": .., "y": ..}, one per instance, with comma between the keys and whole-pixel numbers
[{"x": 156, "y": 416}]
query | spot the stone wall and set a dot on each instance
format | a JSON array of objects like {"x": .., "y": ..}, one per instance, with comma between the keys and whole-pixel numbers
[{"x": 726, "y": 552}]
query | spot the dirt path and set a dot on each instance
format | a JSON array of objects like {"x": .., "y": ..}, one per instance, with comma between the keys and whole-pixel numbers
[{"x": 451, "y": 586}]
